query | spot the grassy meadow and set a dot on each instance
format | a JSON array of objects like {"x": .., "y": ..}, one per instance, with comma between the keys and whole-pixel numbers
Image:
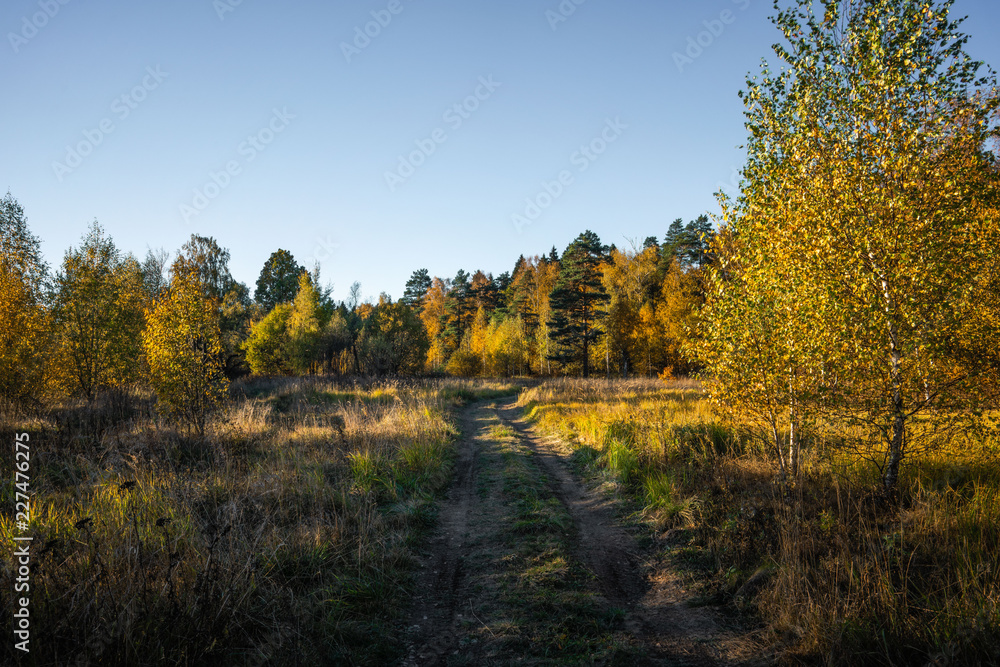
[
  {"x": 285, "y": 535},
  {"x": 837, "y": 575}
]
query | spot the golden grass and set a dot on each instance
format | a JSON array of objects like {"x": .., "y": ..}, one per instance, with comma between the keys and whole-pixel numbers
[
  {"x": 284, "y": 535},
  {"x": 842, "y": 577}
]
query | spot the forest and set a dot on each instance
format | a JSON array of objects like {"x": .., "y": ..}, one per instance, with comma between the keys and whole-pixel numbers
[{"x": 793, "y": 405}]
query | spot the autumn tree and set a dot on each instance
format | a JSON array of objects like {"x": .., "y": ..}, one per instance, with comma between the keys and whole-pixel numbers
[
  {"x": 98, "y": 312},
  {"x": 866, "y": 230},
  {"x": 266, "y": 345},
  {"x": 24, "y": 338},
  {"x": 278, "y": 281},
  {"x": 304, "y": 328},
  {"x": 209, "y": 263},
  {"x": 182, "y": 345},
  {"x": 575, "y": 301},
  {"x": 24, "y": 320},
  {"x": 630, "y": 339},
  {"x": 433, "y": 317},
  {"x": 393, "y": 340}
]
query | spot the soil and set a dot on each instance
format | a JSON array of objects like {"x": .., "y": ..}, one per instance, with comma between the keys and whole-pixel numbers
[{"x": 463, "y": 613}]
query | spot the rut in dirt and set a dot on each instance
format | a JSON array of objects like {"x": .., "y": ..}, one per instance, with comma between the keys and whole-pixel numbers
[
  {"x": 458, "y": 579},
  {"x": 434, "y": 621}
]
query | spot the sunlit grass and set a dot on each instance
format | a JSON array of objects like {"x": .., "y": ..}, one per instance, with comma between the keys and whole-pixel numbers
[
  {"x": 291, "y": 524},
  {"x": 850, "y": 576}
]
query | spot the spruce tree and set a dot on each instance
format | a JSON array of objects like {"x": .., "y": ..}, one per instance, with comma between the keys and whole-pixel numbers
[{"x": 575, "y": 300}]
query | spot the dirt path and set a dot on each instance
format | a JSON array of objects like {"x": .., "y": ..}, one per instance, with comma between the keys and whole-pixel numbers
[{"x": 529, "y": 566}]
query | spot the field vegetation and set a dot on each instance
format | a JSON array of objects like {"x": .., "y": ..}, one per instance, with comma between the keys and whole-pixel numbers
[
  {"x": 284, "y": 534},
  {"x": 838, "y": 574}
]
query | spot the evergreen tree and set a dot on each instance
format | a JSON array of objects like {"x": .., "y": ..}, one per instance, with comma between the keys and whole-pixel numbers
[
  {"x": 279, "y": 280},
  {"x": 575, "y": 301},
  {"x": 459, "y": 310},
  {"x": 483, "y": 292},
  {"x": 416, "y": 289}
]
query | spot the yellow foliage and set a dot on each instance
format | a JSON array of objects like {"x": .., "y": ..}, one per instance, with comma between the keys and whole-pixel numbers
[{"x": 182, "y": 343}]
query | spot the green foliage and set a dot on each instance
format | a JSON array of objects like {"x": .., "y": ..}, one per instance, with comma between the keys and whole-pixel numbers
[
  {"x": 278, "y": 281},
  {"x": 265, "y": 347},
  {"x": 98, "y": 312},
  {"x": 209, "y": 263},
  {"x": 304, "y": 328},
  {"x": 575, "y": 300},
  {"x": 393, "y": 340},
  {"x": 21, "y": 248},
  {"x": 416, "y": 289}
]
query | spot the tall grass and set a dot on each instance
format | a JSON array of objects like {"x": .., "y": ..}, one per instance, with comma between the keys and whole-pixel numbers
[
  {"x": 283, "y": 536},
  {"x": 839, "y": 575}
]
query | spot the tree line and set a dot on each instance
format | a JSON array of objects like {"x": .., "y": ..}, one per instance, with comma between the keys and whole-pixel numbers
[{"x": 104, "y": 320}]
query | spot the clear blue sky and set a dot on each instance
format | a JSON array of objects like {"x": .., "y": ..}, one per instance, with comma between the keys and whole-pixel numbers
[{"x": 199, "y": 77}]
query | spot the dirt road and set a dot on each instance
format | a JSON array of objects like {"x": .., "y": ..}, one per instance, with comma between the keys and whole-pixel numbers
[{"x": 529, "y": 566}]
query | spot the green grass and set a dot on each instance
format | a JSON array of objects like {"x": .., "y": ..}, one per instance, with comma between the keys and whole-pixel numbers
[{"x": 555, "y": 614}]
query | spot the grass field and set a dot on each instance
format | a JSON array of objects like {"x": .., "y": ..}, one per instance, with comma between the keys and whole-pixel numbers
[
  {"x": 283, "y": 536},
  {"x": 837, "y": 576},
  {"x": 289, "y": 534}
]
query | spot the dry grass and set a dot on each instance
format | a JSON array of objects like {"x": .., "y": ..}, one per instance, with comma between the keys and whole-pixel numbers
[
  {"x": 840, "y": 576},
  {"x": 283, "y": 536}
]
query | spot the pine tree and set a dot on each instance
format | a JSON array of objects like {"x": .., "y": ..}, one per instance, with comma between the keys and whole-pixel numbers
[
  {"x": 575, "y": 301},
  {"x": 416, "y": 289}
]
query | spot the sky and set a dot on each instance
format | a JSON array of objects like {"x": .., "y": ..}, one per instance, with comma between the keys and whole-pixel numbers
[{"x": 377, "y": 137}]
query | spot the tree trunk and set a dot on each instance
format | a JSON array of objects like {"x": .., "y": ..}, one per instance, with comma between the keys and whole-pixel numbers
[{"x": 898, "y": 438}]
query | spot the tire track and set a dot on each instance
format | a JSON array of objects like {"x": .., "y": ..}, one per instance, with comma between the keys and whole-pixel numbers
[
  {"x": 656, "y": 611},
  {"x": 435, "y": 622}
]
